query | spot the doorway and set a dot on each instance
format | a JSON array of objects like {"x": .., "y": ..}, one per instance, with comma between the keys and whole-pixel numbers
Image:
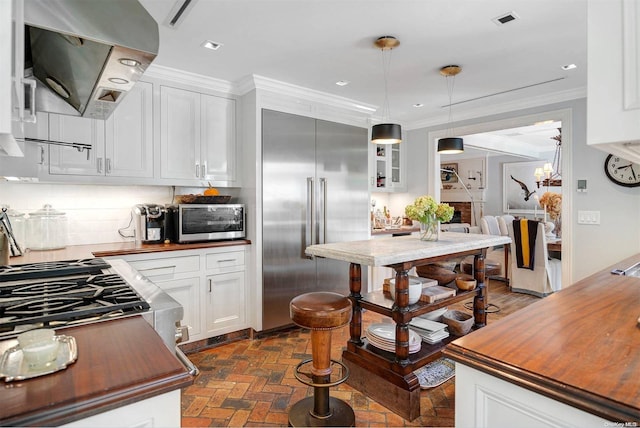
[{"x": 562, "y": 117}]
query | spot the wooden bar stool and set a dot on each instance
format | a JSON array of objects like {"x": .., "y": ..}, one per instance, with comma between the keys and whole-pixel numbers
[{"x": 321, "y": 312}]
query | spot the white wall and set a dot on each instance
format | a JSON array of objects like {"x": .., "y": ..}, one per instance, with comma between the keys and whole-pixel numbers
[{"x": 94, "y": 212}]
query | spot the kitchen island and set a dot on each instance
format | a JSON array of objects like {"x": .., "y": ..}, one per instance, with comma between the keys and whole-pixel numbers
[
  {"x": 124, "y": 376},
  {"x": 571, "y": 359},
  {"x": 384, "y": 376}
]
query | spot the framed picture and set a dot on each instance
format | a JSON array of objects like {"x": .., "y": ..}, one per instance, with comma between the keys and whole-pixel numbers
[
  {"x": 521, "y": 192},
  {"x": 449, "y": 177}
]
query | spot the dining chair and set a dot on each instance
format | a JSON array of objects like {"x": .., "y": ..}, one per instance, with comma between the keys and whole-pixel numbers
[{"x": 544, "y": 276}]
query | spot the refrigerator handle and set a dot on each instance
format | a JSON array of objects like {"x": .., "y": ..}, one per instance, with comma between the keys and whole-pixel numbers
[
  {"x": 323, "y": 190},
  {"x": 309, "y": 233}
]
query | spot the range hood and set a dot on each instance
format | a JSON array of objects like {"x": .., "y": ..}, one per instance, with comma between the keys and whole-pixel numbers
[{"x": 86, "y": 55}]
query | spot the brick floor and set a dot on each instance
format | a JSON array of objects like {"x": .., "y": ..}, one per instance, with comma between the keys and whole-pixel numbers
[{"x": 251, "y": 383}]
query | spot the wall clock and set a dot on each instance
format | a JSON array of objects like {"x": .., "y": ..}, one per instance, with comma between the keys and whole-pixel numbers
[{"x": 622, "y": 171}]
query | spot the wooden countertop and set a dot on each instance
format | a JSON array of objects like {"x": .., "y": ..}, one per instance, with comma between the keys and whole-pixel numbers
[
  {"x": 580, "y": 346},
  {"x": 75, "y": 252},
  {"x": 120, "y": 362}
]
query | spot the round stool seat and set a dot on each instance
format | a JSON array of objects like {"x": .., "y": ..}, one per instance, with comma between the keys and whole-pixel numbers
[
  {"x": 320, "y": 310},
  {"x": 490, "y": 268}
]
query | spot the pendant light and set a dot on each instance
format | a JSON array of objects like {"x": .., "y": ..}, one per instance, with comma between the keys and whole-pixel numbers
[
  {"x": 386, "y": 133},
  {"x": 450, "y": 145}
]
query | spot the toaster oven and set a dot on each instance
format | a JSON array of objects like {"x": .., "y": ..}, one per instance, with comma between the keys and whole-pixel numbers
[{"x": 208, "y": 222}]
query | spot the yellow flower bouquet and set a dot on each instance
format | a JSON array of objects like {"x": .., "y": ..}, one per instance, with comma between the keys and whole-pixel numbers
[{"x": 429, "y": 213}]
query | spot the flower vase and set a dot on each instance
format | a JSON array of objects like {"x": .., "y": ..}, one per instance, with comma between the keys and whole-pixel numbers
[
  {"x": 558, "y": 227},
  {"x": 430, "y": 230}
]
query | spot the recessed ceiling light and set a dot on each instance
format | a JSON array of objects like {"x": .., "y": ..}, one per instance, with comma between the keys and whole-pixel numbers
[
  {"x": 210, "y": 44},
  {"x": 569, "y": 67},
  {"x": 418, "y": 105},
  {"x": 342, "y": 82},
  {"x": 503, "y": 19}
]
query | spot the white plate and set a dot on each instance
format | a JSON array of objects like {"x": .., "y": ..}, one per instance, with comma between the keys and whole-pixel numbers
[
  {"x": 383, "y": 336},
  {"x": 428, "y": 325}
]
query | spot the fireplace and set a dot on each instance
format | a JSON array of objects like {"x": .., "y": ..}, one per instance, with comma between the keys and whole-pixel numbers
[{"x": 461, "y": 212}]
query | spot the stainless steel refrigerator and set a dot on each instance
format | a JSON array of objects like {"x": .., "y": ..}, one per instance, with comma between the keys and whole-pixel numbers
[{"x": 314, "y": 190}]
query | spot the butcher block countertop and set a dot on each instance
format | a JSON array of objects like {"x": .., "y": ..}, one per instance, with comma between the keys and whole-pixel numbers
[
  {"x": 580, "y": 346},
  {"x": 120, "y": 362},
  {"x": 75, "y": 252}
]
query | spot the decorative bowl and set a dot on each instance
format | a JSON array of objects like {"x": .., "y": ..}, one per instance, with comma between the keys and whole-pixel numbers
[
  {"x": 459, "y": 323},
  {"x": 415, "y": 290},
  {"x": 465, "y": 282},
  {"x": 442, "y": 275}
]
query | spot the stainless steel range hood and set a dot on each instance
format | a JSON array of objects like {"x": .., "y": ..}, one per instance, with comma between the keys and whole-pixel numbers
[{"x": 89, "y": 53}]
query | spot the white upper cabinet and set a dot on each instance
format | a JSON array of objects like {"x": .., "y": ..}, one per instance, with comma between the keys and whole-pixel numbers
[
  {"x": 388, "y": 168},
  {"x": 122, "y": 146},
  {"x": 198, "y": 137},
  {"x": 129, "y": 135},
  {"x": 179, "y": 133},
  {"x": 218, "y": 135},
  {"x": 69, "y": 160},
  {"x": 613, "y": 88}
]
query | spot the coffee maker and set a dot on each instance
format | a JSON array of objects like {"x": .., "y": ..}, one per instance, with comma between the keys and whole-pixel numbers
[{"x": 151, "y": 224}]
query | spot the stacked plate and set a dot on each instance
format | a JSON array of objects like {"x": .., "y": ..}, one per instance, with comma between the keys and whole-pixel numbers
[
  {"x": 383, "y": 336},
  {"x": 430, "y": 331}
]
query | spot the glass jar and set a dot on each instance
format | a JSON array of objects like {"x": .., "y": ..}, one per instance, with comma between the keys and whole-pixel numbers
[{"x": 47, "y": 229}]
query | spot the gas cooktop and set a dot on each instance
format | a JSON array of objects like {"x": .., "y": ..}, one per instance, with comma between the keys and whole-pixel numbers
[{"x": 53, "y": 294}]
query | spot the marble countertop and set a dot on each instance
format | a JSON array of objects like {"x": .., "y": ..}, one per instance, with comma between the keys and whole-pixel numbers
[{"x": 392, "y": 250}]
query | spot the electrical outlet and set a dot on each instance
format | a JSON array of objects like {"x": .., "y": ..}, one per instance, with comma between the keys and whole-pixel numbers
[{"x": 588, "y": 217}]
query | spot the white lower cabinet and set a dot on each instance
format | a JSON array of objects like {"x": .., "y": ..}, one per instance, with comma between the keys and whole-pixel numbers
[
  {"x": 492, "y": 402},
  {"x": 209, "y": 283},
  {"x": 225, "y": 303},
  {"x": 159, "y": 411}
]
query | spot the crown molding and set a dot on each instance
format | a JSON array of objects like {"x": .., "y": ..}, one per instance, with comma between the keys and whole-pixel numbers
[
  {"x": 524, "y": 103},
  {"x": 188, "y": 78},
  {"x": 254, "y": 81}
]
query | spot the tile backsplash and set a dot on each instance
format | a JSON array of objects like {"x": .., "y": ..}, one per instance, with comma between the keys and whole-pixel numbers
[{"x": 95, "y": 213}]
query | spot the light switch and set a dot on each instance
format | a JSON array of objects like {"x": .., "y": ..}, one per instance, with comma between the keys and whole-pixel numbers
[{"x": 588, "y": 217}]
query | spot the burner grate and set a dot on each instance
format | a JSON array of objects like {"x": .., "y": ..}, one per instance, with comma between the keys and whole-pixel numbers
[
  {"x": 52, "y": 269},
  {"x": 63, "y": 300}
]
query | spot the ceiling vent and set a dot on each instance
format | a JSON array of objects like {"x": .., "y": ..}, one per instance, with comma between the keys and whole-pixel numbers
[
  {"x": 506, "y": 18},
  {"x": 179, "y": 12}
]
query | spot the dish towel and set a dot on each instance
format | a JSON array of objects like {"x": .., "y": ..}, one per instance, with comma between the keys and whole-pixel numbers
[{"x": 525, "y": 233}]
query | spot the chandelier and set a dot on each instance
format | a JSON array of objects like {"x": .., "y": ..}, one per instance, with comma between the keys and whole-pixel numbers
[{"x": 552, "y": 171}]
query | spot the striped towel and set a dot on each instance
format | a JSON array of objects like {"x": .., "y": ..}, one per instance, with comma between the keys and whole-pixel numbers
[{"x": 524, "y": 234}]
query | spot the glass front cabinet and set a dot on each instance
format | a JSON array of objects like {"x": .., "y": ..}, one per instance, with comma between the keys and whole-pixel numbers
[{"x": 388, "y": 168}]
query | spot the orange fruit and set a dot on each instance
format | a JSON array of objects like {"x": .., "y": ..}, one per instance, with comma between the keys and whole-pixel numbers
[{"x": 211, "y": 191}]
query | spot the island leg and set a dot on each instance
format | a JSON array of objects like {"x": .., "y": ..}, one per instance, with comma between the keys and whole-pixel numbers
[
  {"x": 480, "y": 300},
  {"x": 355, "y": 286},
  {"x": 400, "y": 308}
]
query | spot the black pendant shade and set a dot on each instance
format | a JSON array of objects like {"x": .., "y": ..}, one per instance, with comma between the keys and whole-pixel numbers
[
  {"x": 450, "y": 145},
  {"x": 386, "y": 133}
]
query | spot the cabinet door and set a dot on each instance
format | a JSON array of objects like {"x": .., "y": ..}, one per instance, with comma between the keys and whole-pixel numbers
[
  {"x": 186, "y": 291},
  {"x": 179, "y": 133},
  {"x": 68, "y": 160},
  {"x": 225, "y": 303},
  {"x": 388, "y": 168},
  {"x": 129, "y": 135},
  {"x": 218, "y": 138}
]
